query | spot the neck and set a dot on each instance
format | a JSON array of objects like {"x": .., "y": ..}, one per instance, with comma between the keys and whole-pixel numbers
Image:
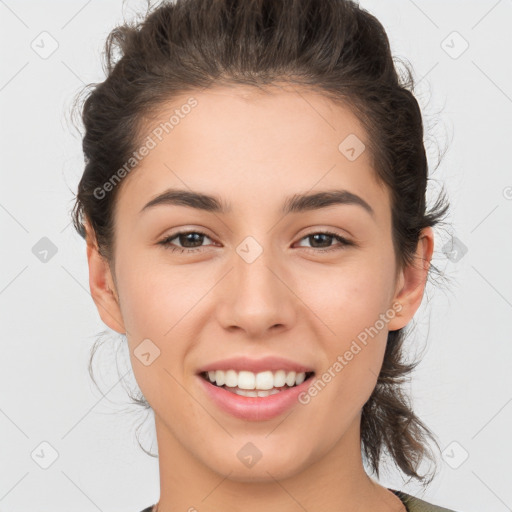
[{"x": 189, "y": 484}]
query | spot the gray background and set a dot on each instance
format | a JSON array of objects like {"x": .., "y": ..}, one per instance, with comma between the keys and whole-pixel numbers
[{"x": 463, "y": 387}]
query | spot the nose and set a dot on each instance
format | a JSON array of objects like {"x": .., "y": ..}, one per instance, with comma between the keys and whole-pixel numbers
[{"x": 257, "y": 297}]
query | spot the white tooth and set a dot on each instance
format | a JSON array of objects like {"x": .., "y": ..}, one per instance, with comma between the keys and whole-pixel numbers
[
  {"x": 279, "y": 379},
  {"x": 290, "y": 378},
  {"x": 246, "y": 380},
  {"x": 231, "y": 379},
  {"x": 220, "y": 378},
  {"x": 261, "y": 393},
  {"x": 265, "y": 380},
  {"x": 300, "y": 378},
  {"x": 262, "y": 381}
]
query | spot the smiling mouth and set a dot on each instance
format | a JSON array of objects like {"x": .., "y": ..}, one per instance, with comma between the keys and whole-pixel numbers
[{"x": 256, "y": 385}]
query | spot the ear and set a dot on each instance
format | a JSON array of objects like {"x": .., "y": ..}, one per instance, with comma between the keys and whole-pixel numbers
[
  {"x": 102, "y": 286},
  {"x": 412, "y": 280}
]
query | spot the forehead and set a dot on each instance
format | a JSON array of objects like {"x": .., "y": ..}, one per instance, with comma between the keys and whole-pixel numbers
[{"x": 246, "y": 144}]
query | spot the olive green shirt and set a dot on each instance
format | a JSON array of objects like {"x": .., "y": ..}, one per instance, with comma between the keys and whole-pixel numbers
[{"x": 413, "y": 504}]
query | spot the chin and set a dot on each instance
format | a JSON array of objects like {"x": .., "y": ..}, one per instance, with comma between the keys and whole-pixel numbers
[{"x": 275, "y": 465}]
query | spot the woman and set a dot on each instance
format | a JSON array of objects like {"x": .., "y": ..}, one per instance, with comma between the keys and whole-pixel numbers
[{"x": 253, "y": 203}]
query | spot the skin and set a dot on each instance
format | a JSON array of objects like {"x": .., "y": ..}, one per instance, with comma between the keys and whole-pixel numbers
[{"x": 293, "y": 301}]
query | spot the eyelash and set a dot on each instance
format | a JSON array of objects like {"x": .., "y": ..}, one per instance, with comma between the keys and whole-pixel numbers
[{"x": 166, "y": 242}]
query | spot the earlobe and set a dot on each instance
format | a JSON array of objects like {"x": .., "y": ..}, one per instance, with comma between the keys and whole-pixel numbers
[
  {"x": 412, "y": 280},
  {"x": 102, "y": 286}
]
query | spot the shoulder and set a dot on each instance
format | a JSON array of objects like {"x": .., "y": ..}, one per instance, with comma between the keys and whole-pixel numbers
[{"x": 414, "y": 504}]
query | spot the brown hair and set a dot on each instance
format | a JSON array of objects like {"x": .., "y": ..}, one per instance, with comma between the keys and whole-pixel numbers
[{"x": 331, "y": 46}]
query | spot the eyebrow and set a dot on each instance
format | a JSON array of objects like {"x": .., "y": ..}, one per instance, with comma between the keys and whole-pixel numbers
[{"x": 293, "y": 204}]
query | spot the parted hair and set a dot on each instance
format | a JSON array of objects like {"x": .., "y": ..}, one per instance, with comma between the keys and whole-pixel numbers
[{"x": 333, "y": 47}]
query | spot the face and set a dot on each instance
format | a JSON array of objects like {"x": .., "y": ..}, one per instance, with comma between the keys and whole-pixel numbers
[{"x": 253, "y": 279}]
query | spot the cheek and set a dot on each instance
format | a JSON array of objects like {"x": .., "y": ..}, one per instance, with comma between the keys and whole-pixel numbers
[
  {"x": 154, "y": 302},
  {"x": 349, "y": 298},
  {"x": 353, "y": 302},
  {"x": 155, "y": 305},
  {"x": 153, "y": 298}
]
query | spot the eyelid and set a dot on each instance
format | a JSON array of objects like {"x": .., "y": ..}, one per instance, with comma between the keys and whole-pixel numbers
[
  {"x": 343, "y": 241},
  {"x": 172, "y": 236}
]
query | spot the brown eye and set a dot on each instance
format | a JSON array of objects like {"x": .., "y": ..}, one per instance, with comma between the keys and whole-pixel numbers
[
  {"x": 319, "y": 240},
  {"x": 190, "y": 241}
]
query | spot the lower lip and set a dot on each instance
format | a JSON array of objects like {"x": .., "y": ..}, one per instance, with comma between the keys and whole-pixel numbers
[{"x": 254, "y": 408}]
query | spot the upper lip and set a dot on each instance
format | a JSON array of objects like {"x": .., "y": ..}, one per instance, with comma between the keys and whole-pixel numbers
[{"x": 272, "y": 363}]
